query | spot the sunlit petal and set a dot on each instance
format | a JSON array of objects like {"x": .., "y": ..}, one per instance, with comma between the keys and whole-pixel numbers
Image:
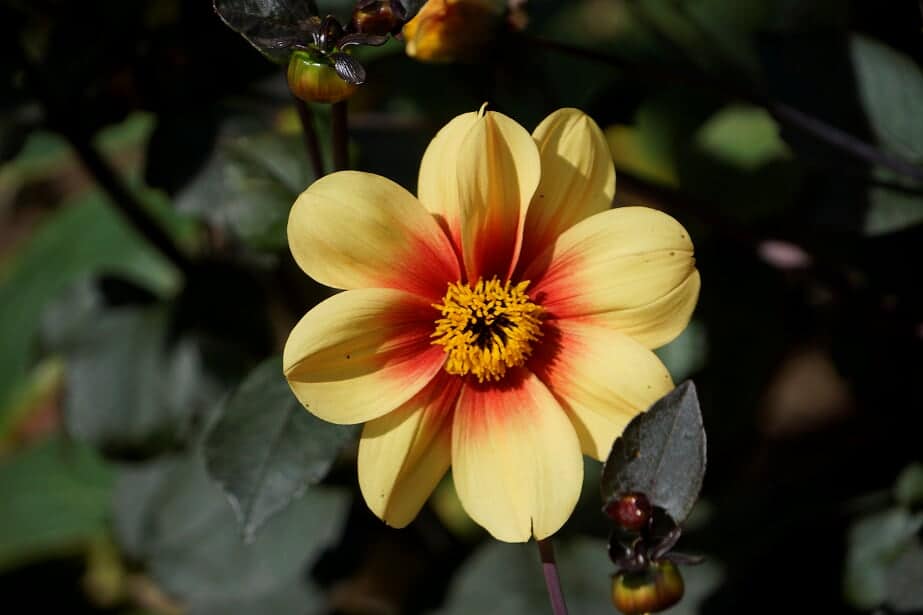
[
  {"x": 361, "y": 354},
  {"x": 578, "y": 179},
  {"x": 403, "y": 454},
  {"x": 355, "y": 230},
  {"x": 601, "y": 377},
  {"x": 515, "y": 458},
  {"x": 629, "y": 266},
  {"x": 437, "y": 186},
  {"x": 498, "y": 169}
]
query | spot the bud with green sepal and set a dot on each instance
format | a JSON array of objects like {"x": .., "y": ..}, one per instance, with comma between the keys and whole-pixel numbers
[{"x": 655, "y": 588}]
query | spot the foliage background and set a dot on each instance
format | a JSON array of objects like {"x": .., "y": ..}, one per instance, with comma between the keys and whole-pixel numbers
[{"x": 123, "y": 421}]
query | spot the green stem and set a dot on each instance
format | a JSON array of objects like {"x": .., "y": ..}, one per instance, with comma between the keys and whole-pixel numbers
[
  {"x": 309, "y": 134},
  {"x": 62, "y": 120},
  {"x": 340, "y": 128}
]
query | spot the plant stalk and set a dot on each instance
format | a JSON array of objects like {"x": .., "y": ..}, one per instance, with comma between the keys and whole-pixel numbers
[
  {"x": 340, "y": 128},
  {"x": 309, "y": 134},
  {"x": 552, "y": 579}
]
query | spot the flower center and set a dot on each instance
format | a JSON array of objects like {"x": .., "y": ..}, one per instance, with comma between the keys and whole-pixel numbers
[{"x": 487, "y": 329}]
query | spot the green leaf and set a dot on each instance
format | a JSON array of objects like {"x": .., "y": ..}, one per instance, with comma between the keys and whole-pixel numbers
[
  {"x": 171, "y": 516},
  {"x": 249, "y": 186},
  {"x": 296, "y": 596},
  {"x": 905, "y": 580},
  {"x": 84, "y": 237},
  {"x": 908, "y": 489},
  {"x": 875, "y": 544},
  {"x": 56, "y": 496},
  {"x": 892, "y": 208},
  {"x": 743, "y": 136},
  {"x": 131, "y": 390},
  {"x": 890, "y": 87},
  {"x": 661, "y": 454},
  {"x": 266, "y": 449}
]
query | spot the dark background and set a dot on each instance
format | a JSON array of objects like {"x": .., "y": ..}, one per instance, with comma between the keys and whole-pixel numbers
[{"x": 787, "y": 136}]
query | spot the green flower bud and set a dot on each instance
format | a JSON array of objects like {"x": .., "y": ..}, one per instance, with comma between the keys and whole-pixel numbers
[
  {"x": 314, "y": 80},
  {"x": 654, "y": 589}
]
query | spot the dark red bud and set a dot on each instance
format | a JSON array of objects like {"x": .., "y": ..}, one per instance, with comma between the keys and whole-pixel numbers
[{"x": 631, "y": 511}]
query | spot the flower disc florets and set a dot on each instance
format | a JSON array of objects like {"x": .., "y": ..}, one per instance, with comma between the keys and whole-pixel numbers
[{"x": 487, "y": 329}]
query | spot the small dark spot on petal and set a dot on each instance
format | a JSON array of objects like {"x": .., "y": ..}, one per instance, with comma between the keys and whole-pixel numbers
[{"x": 348, "y": 357}]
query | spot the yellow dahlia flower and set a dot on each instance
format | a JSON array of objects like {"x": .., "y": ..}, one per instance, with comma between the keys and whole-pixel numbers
[{"x": 499, "y": 323}]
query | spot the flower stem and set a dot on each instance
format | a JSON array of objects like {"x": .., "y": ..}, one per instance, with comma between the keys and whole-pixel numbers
[
  {"x": 552, "y": 580},
  {"x": 311, "y": 144},
  {"x": 340, "y": 129}
]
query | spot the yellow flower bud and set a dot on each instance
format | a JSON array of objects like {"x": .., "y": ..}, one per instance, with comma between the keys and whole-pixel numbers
[
  {"x": 452, "y": 30},
  {"x": 315, "y": 81}
]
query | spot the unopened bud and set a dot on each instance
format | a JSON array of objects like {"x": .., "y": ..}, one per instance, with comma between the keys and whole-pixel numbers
[
  {"x": 453, "y": 30},
  {"x": 632, "y": 511},
  {"x": 313, "y": 80},
  {"x": 378, "y": 17},
  {"x": 654, "y": 589}
]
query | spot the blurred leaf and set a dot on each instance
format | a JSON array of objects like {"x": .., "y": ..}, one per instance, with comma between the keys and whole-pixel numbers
[
  {"x": 84, "y": 237},
  {"x": 507, "y": 579},
  {"x": 128, "y": 391},
  {"x": 249, "y": 187},
  {"x": 890, "y": 88},
  {"x": 56, "y": 496},
  {"x": 632, "y": 151},
  {"x": 875, "y": 544},
  {"x": 172, "y": 517},
  {"x": 661, "y": 454},
  {"x": 687, "y": 354},
  {"x": 290, "y": 598},
  {"x": 892, "y": 209},
  {"x": 908, "y": 489},
  {"x": 265, "y": 449},
  {"x": 905, "y": 580},
  {"x": 744, "y": 136}
]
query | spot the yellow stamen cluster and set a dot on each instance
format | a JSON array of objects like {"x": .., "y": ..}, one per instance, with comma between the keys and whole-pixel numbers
[{"x": 486, "y": 329}]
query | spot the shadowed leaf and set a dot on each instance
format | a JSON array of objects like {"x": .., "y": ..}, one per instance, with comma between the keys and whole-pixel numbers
[
  {"x": 265, "y": 449},
  {"x": 661, "y": 454}
]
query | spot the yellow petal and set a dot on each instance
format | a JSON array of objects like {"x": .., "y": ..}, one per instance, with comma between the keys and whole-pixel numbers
[
  {"x": 355, "y": 230},
  {"x": 630, "y": 267},
  {"x": 404, "y": 454},
  {"x": 601, "y": 377},
  {"x": 578, "y": 179},
  {"x": 361, "y": 354},
  {"x": 516, "y": 459},
  {"x": 437, "y": 186},
  {"x": 498, "y": 169},
  {"x": 660, "y": 321}
]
